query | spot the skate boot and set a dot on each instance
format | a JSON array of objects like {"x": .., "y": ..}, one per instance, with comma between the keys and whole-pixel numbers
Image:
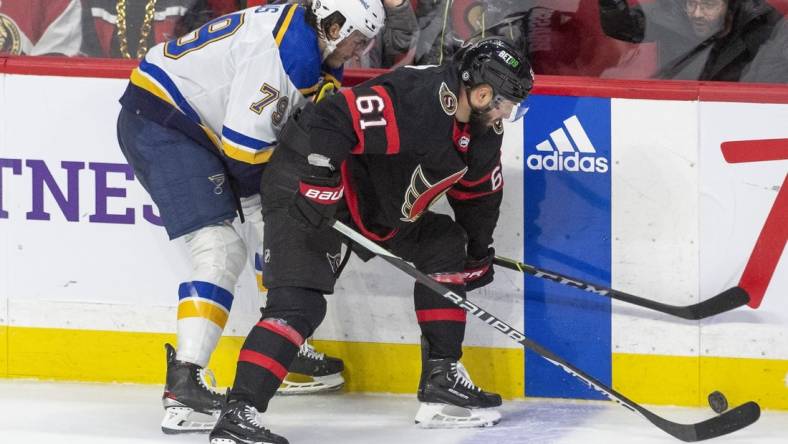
[
  {"x": 239, "y": 423},
  {"x": 449, "y": 399},
  {"x": 312, "y": 372},
  {"x": 190, "y": 404}
]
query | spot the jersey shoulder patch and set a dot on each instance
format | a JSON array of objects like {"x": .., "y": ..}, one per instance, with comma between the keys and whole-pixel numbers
[{"x": 448, "y": 99}]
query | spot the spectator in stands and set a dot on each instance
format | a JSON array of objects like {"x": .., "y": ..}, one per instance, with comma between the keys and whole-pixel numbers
[
  {"x": 40, "y": 27},
  {"x": 771, "y": 62},
  {"x": 697, "y": 39},
  {"x": 436, "y": 39},
  {"x": 396, "y": 45},
  {"x": 127, "y": 28},
  {"x": 551, "y": 36}
]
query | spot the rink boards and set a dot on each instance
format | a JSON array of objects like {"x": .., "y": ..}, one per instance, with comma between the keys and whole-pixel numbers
[{"x": 631, "y": 193}]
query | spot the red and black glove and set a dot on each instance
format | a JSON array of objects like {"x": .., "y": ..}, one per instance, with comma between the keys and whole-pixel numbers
[
  {"x": 316, "y": 200},
  {"x": 479, "y": 272}
]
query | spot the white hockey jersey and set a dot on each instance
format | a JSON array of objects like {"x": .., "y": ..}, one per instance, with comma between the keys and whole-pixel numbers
[{"x": 238, "y": 77}]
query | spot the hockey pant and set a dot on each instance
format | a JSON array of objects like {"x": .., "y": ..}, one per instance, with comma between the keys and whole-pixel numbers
[{"x": 300, "y": 268}]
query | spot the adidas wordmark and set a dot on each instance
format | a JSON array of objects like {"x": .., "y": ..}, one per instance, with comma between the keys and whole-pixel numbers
[{"x": 560, "y": 155}]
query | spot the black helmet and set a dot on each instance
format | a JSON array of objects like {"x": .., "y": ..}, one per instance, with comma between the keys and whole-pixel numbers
[{"x": 498, "y": 63}]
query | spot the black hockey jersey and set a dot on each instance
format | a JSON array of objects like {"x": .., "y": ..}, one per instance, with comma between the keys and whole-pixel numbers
[{"x": 400, "y": 150}]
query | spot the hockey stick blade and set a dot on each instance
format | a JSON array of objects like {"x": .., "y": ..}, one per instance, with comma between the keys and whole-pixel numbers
[
  {"x": 729, "y": 299},
  {"x": 728, "y": 422}
]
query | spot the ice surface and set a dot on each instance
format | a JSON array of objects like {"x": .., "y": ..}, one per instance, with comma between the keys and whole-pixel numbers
[{"x": 71, "y": 413}]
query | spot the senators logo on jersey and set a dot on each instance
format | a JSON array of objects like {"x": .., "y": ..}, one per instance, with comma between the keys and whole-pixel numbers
[
  {"x": 10, "y": 40},
  {"x": 421, "y": 194},
  {"x": 448, "y": 100}
]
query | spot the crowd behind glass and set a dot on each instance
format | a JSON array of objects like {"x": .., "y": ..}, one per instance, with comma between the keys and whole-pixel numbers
[{"x": 726, "y": 40}]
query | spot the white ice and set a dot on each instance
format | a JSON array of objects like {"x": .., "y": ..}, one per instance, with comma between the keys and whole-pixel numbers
[{"x": 70, "y": 413}]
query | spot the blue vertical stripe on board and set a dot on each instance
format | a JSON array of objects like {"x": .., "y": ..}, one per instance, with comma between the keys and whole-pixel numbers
[{"x": 567, "y": 229}]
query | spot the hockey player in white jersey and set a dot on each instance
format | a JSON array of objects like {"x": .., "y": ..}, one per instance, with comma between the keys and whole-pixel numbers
[{"x": 199, "y": 121}]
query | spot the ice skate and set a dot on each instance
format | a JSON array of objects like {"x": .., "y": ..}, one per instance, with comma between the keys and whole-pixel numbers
[
  {"x": 190, "y": 403},
  {"x": 240, "y": 423},
  {"x": 449, "y": 399},
  {"x": 312, "y": 372}
]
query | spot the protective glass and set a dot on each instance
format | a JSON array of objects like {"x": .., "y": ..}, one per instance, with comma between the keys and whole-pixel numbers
[{"x": 518, "y": 109}]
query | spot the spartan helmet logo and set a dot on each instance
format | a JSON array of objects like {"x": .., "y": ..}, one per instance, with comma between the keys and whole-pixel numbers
[
  {"x": 448, "y": 100},
  {"x": 421, "y": 194},
  {"x": 10, "y": 41}
]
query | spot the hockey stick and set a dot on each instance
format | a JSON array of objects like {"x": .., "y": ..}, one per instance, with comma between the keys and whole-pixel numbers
[
  {"x": 727, "y": 300},
  {"x": 730, "y": 421}
]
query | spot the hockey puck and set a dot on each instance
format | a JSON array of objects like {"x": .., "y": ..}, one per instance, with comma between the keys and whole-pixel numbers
[{"x": 718, "y": 402}]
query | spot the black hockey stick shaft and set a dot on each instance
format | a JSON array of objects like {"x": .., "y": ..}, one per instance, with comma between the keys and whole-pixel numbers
[
  {"x": 728, "y": 422},
  {"x": 729, "y": 299}
]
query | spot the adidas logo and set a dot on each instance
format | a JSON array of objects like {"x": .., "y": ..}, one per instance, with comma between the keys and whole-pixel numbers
[{"x": 560, "y": 154}]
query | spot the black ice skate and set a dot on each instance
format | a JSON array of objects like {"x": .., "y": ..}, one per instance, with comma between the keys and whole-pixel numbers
[
  {"x": 190, "y": 404},
  {"x": 449, "y": 399},
  {"x": 239, "y": 423},
  {"x": 312, "y": 372}
]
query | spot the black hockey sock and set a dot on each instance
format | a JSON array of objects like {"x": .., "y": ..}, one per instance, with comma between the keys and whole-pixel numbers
[
  {"x": 442, "y": 323},
  {"x": 263, "y": 362}
]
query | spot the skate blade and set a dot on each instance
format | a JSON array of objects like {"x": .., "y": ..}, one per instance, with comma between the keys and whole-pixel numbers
[
  {"x": 231, "y": 438},
  {"x": 447, "y": 416},
  {"x": 183, "y": 419},
  {"x": 296, "y": 384}
]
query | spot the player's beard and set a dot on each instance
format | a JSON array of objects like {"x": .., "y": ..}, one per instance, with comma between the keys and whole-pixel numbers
[{"x": 481, "y": 121}]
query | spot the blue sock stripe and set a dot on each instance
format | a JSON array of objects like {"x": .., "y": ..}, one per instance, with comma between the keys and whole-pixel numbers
[
  {"x": 206, "y": 290},
  {"x": 258, "y": 265}
]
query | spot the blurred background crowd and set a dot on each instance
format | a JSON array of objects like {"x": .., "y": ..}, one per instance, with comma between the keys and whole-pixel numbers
[{"x": 725, "y": 40}]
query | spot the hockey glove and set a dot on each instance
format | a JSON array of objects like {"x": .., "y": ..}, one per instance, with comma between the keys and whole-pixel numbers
[
  {"x": 479, "y": 272},
  {"x": 316, "y": 200}
]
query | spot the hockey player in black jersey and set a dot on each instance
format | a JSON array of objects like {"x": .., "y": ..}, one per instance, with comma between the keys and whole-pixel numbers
[{"x": 377, "y": 156}]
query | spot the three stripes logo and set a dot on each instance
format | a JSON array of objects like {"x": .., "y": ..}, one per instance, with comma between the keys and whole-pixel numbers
[{"x": 568, "y": 150}]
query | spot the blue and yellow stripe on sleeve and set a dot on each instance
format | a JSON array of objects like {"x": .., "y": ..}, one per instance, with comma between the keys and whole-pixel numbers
[
  {"x": 244, "y": 148},
  {"x": 154, "y": 80}
]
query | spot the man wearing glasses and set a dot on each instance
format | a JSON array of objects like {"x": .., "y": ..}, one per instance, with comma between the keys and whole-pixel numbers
[{"x": 697, "y": 39}]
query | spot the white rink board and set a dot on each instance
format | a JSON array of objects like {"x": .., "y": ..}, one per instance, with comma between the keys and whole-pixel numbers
[
  {"x": 100, "y": 276},
  {"x": 735, "y": 200},
  {"x": 654, "y": 222},
  {"x": 683, "y": 225}
]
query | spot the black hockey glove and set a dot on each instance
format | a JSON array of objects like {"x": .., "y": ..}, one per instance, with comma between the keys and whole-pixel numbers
[
  {"x": 479, "y": 272},
  {"x": 316, "y": 200}
]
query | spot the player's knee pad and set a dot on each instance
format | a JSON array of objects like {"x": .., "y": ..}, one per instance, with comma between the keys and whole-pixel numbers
[
  {"x": 218, "y": 255},
  {"x": 302, "y": 308}
]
